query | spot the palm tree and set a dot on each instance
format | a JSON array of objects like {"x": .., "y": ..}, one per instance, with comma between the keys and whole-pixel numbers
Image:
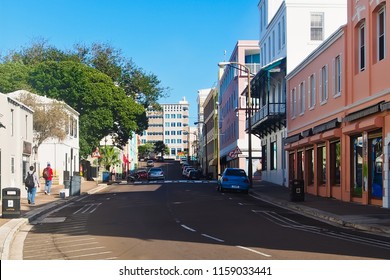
[{"x": 109, "y": 157}]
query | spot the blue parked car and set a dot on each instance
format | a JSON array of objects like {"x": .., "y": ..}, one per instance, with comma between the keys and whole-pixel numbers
[{"x": 233, "y": 179}]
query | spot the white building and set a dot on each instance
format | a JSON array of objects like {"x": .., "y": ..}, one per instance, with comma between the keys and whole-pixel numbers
[
  {"x": 63, "y": 156},
  {"x": 16, "y": 142},
  {"x": 289, "y": 31},
  {"x": 170, "y": 126}
]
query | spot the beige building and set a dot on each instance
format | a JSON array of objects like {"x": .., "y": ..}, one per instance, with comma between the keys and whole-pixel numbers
[{"x": 171, "y": 125}]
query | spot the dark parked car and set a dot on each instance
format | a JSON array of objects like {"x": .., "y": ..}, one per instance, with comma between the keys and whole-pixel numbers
[
  {"x": 138, "y": 176},
  {"x": 156, "y": 173},
  {"x": 195, "y": 175},
  {"x": 233, "y": 179}
]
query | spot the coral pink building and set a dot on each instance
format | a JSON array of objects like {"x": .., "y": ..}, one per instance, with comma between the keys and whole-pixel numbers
[{"x": 338, "y": 116}]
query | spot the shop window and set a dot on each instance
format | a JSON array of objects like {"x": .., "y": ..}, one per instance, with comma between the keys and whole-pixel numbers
[
  {"x": 301, "y": 167},
  {"x": 375, "y": 159},
  {"x": 321, "y": 163},
  {"x": 357, "y": 165},
  {"x": 273, "y": 156},
  {"x": 310, "y": 166},
  {"x": 291, "y": 166},
  {"x": 335, "y": 163}
]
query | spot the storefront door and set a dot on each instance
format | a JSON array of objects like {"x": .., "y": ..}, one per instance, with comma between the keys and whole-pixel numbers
[{"x": 376, "y": 165}]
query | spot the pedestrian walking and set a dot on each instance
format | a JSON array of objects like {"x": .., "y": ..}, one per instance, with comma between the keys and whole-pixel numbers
[
  {"x": 48, "y": 176},
  {"x": 32, "y": 183},
  {"x": 113, "y": 174}
]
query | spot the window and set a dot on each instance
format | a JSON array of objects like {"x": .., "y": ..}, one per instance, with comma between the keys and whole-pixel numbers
[
  {"x": 357, "y": 165},
  {"x": 283, "y": 32},
  {"x": 12, "y": 165},
  {"x": 362, "y": 48},
  {"x": 324, "y": 84},
  {"x": 381, "y": 34},
  {"x": 300, "y": 166},
  {"x": 293, "y": 102},
  {"x": 321, "y": 165},
  {"x": 312, "y": 91},
  {"x": 316, "y": 26},
  {"x": 273, "y": 43},
  {"x": 279, "y": 37},
  {"x": 310, "y": 166},
  {"x": 12, "y": 122},
  {"x": 273, "y": 156},
  {"x": 337, "y": 76},
  {"x": 302, "y": 98},
  {"x": 335, "y": 163}
]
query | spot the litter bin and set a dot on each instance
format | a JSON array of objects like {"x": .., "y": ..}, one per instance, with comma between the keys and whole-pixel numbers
[
  {"x": 75, "y": 185},
  {"x": 11, "y": 202},
  {"x": 106, "y": 176},
  {"x": 297, "y": 191}
]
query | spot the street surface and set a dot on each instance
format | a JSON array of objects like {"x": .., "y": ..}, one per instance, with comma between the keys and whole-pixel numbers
[{"x": 176, "y": 219}]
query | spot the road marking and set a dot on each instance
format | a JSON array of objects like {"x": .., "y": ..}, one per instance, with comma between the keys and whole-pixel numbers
[
  {"x": 88, "y": 207},
  {"x": 254, "y": 251},
  {"x": 212, "y": 237},
  {"x": 188, "y": 228}
]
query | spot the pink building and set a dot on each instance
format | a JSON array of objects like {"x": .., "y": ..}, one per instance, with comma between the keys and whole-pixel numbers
[
  {"x": 232, "y": 108},
  {"x": 338, "y": 116}
]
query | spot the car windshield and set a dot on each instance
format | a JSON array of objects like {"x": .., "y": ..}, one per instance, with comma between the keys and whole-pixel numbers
[
  {"x": 235, "y": 172},
  {"x": 155, "y": 170}
]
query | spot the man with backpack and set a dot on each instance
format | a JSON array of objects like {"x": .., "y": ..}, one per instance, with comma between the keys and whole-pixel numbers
[
  {"x": 48, "y": 176},
  {"x": 32, "y": 183}
]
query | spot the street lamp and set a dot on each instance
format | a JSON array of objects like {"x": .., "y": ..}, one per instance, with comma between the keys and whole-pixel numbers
[
  {"x": 249, "y": 108},
  {"x": 205, "y": 138}
]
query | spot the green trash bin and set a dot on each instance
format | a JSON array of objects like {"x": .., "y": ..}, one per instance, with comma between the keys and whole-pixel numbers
[{"x": 11, "y": 202}]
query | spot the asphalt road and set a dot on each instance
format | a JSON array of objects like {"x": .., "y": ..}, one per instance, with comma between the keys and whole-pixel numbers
[{"x": 188, "y": 221}]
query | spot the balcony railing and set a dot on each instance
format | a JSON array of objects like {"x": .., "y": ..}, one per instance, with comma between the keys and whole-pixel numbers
[{"x": 269, "y": 110}]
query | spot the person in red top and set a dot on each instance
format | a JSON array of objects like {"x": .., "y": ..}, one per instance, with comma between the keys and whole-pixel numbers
[{"x": 48, "y": 176}]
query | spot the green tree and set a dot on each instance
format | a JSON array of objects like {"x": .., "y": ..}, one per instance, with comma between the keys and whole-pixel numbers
[
  {"x": 103, "y": 107},
  {"x": 145, "y": 150},
  {"x": 14, "y": 76},
  {"x": 160, "y": 148},
  {"x": 109, "y": 91}
]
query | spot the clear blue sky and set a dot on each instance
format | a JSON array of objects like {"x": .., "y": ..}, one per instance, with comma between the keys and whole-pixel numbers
[{"x": 181, "y": 41}]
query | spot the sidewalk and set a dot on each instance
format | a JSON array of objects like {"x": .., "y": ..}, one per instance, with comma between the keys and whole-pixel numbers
[
  {"x": 43, "y": 204},
  {"x": 369, "y": 218}
]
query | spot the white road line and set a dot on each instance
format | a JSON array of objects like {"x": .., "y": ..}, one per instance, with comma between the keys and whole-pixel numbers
[
  {"x": 67, "y": 246},
  {"x": 88, "y": 255},
  {"x": 254, "y": 251},
  {"x": 188, "y": 228},
  {"x": 212, "y": 237}
]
